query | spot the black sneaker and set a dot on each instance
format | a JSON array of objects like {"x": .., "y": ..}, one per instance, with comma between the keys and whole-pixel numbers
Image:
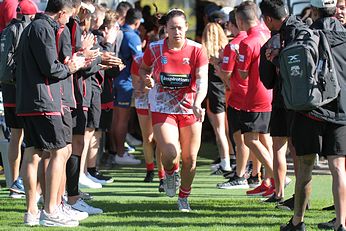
[
  {"x": 341, "y": 228},
  {"x": 289, "y": 204},
  {"x": 235, "y": 182},
  {"x": 161, "y": 188},
  {"x": 98, "y": 175},
  {"x": 290, "y": 227},
  {"x": 149, "y": 177},
  {"x": 327, "y": 225},
  {"x": 254, "y": 181},
  {"x": 274, "y": 199},
  {"x": 329, "y": 208},
  {"x": 220, "y": 171}
]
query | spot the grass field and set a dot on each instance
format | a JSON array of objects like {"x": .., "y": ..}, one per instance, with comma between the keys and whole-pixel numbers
[{"x": 131, "y": 204}]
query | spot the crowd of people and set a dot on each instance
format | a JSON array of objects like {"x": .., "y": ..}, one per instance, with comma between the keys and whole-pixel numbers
[{"x": 78, "y": 67}]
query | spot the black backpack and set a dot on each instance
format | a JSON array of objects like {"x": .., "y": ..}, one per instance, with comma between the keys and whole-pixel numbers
[
  {"x": 307, "y": 71},
  {"x": 9, "y": 41}
]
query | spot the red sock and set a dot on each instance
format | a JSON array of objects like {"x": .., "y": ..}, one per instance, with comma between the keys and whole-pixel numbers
[
  {"x": 161, "y": 174},
  {"x": 150, "y": 167},
  {"x": 176, "y": 166},
  {"x": 183, "y": 193},
  {"x": 174, "y": 169}
]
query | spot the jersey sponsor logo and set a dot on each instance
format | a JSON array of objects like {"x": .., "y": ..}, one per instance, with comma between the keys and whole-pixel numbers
[
  {"x": 225, "y": 59},
  {"x": 186, "y": 60},
  {"x": 241, "y": 58},
  {"x": 164, "y": 60}
]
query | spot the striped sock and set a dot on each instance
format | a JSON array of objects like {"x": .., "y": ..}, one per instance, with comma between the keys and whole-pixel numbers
[
  {"x": 174, "y": 169},
  {"x": 150, "y": 167},
  {"x": 183, "y": 193}
]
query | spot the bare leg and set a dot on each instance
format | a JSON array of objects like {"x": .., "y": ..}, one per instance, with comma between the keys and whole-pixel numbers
[
  {"x": 14, "y": 152},
  {"x": 31, "y": 158},
  {"x": 93, "y": 149},
  {"x": 148, "y": 139},
  {"x": 53, "y": 178},
  {"x": 303, "y": 187},
  {"x": 89, "y": 132},
  {"x": 190, "y": 140},
  {"x": 242, "y": 153},
  {"x": 338, "y": 169},
  {"x": 121, "y": 127},
  {"x": 279, "y": 166}
]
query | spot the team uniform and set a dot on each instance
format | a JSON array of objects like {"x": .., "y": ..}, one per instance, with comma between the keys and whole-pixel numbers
[
  {"x": 141, "y": 101},
  {"x": 238, "y": 86},
  {"x": 171, "y": 98},
  {"x": 39, "y": 86},
  {"x": 256, "y": 107}
]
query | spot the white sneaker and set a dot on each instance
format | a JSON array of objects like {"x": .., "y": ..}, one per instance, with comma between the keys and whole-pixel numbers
[
  {"x": 85, "y": 182},
  {"x": 102, "y": 182},
  {"x": 32, "y": 220},
  {"x": 80, "y": 205},
  {"x": 126, "y": 159},
  {"x": 74, "y": 214},
  {"x": 57, "y": 218},
  {"x": 132, "y": 140},
  {"x": 170, "y": 185},
  {"x": 183, "y": 205}
]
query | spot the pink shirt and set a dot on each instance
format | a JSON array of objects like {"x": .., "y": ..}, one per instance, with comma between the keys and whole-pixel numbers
[
  {"x": 258, "y": 98},
  {"x": 174, "y": 73}
]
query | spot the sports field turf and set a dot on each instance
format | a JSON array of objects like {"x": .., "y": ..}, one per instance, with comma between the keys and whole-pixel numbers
[{"x": 131, "y": 204}]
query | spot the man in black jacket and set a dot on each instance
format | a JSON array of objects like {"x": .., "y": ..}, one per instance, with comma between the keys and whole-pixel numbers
[
  {"x": 283, "y": 27},
  {"x": 39, "y": 102},
  {"x": 323, "y": 130}
]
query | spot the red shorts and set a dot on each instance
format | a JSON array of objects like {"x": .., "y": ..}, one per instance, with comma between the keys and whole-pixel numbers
[
  {"x": 178, "y": 120},
  {"x": 143, "y": 112}
]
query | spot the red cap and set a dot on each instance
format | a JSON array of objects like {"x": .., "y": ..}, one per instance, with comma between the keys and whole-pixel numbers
[{"x": 27, "y": 7}]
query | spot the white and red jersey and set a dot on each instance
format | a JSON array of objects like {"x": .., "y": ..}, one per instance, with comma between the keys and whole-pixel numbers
[
  {"x": 174, "y": 73},
  {"x": 141, "y": 101}
]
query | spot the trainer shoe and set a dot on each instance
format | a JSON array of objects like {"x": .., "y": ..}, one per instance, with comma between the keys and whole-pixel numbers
[
  {"x": 274, "y": 199},
  {"x": 80, "y": 205},
  {"x": 149, "y": 177},
  {"x": 269, "y": 193},
  {"x": 18, "y": 186},
  {"x": 57, "y": 218},
  {"x": 161, "y": 187},
  {"x": 85, "y": 182},
  {"x": 102, "y": 182},
  {"x": 32, "y": 220},
  {"x": 170, "y": 185},
  {"x": 98, "y": 175},
  {"x": 15, "y": 195},
  {"x": 258, "y": 191},
  {"x": 183, "y": 205},
  {"x": 85, "y": 196},
  {"x": 290, "y": 227},
  {"x": 129, "y": 148},
  {"x": 235, "y": 182},
  {"x": 341, "y": 228},
  {"x": 132, "y": 140},
  {"x": 254, "y": 181},
  {"x": 327, "y": 225},
  {"x": 289, "y": 205},
  {"x": 220, "y": 171},
  {"x": 72, "y": 213},
  {"x": 126, "y": 159},
  {"x": 216, "y": 161}
]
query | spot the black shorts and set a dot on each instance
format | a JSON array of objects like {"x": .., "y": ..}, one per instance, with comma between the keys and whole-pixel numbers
[
  {"x": 44, "y": 132},
  {"x": 68, "y": 124},
  {"x": 94, "y": 112},
  {"x": 216, "y": 97},
  {"x": 79, "y": 117},
  {"x": 254, "y": 122},
  {"x": 11, "y": 118},
  {"x": 233, "y": 117},
  {"x": 106, "y": 120},
  {"x": 311, "y": 136},
  {"x": 281, "y": 122}
]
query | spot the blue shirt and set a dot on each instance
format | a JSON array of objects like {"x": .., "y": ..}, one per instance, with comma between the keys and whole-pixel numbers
[{"x": 130, "y": 46}]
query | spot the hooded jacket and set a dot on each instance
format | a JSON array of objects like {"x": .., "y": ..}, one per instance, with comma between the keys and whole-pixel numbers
[{"x": 39, "y": 71}]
